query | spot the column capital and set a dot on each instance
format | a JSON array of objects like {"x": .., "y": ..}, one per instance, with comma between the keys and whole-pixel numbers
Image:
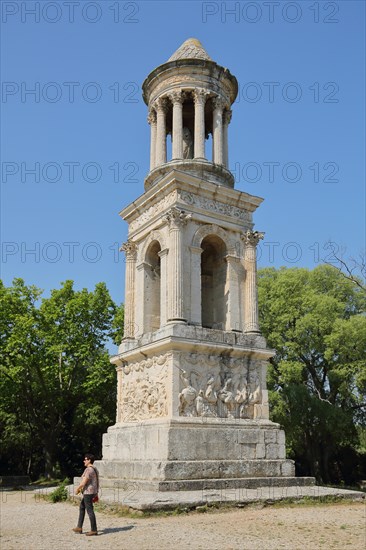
[
  {"x": 219, "y": 103},
  {"x": 151, "y": 117},
  {"x": 252, "y": 238},
  {"x": 161, "y": 104},
  {"x": 176, "y": 218},
  {"x": 176, "y": 96},
  {"x": 200, "y": 95},
  {"x": 227, "y": 116},
  {"x": 130, "y": 249}
]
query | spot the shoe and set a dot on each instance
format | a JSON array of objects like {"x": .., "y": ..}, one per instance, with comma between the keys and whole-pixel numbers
[
  {"x": 91, "y": 533},
  {"x": 77, "y": 530}
]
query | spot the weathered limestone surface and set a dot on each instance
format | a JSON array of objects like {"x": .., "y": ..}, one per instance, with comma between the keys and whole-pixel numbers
[{"x": 192, "y": 404}]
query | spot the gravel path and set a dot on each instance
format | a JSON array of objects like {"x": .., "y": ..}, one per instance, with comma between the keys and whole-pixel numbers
[{"x": 28, "y": 523}]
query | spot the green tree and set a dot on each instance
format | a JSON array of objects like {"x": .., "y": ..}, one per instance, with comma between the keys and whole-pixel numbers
[
  {"x": 315, "y": 320},
  {"x": 58, "y": 385}
]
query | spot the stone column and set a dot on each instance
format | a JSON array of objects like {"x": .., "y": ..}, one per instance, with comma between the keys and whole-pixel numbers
[
  {"x": 218, "y": 149},
  {"x": 176, "y": 219},
  {"x": 130, "y": 249},
  {"x": 199, "y": 97},
  {"x": 152, "y": 121},
  {"x": 177, "y": 132},
  {"x": 251, "y": 239},
  {"x": 227, "y": 119},
  {"x": 161, "y": 108}
]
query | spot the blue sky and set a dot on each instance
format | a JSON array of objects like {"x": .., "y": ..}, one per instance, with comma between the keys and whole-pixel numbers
[{"x": 296, "y": 137}]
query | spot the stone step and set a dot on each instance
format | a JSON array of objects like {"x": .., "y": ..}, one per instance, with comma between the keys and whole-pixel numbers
[
  {"x": 178, "y": 470},
  {"x": 134, "y": 497},
  {"x": 205, "y": 484}
]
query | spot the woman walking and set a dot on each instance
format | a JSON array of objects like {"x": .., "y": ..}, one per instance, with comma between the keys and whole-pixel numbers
[{"x": 89, "y": 487}]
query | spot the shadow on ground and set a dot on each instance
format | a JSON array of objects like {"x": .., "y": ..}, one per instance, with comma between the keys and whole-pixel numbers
[{"x": 116, "y": 530}]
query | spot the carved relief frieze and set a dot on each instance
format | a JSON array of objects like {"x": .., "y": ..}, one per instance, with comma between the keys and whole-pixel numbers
[
  {"x": 219, "y": 387},
  {"x": 214, "y": 206},
  {"x": 153, "y": 210},
  {"x": 144, "y": 389}
]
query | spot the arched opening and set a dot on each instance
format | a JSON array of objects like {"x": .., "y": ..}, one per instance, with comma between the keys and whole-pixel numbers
[
  {"x": 213, "y": 281},
  {"x": 152, "y": 288}
]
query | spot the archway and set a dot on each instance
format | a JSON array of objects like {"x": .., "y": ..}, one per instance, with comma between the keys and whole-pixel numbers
[{"x": 213, "y": 282}]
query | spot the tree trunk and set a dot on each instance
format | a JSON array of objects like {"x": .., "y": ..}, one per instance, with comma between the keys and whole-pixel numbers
[{"x": 49, "y": 450}]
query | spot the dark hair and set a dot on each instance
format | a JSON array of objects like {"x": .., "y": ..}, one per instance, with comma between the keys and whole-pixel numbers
[{"x": 90, "y": 457}]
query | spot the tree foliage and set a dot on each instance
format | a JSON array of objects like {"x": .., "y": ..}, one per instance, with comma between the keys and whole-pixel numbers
[
  {"x": 315, "y": 320},
  {"x": 57, "y": 385}
]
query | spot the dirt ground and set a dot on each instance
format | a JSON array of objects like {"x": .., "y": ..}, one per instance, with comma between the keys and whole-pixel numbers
[{"x": 28, "y": 523}]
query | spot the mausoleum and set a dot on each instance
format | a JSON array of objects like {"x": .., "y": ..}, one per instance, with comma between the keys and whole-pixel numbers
[{"x": 192, "y": 405}]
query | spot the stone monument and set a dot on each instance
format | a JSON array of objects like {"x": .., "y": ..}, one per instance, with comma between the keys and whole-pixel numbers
[{"x": 192, "y": 404}]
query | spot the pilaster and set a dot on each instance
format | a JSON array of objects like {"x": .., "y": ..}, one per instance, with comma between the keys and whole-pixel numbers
[{"x": 130, "y": 249}]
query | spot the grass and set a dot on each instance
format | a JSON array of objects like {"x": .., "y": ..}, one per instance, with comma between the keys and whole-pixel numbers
[
  {"x": 46, "y": 482},
  {"x": 59, "y": 494}
]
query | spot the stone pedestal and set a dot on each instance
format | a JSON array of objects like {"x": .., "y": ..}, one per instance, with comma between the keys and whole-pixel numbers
[
  {"x": 191, "y": 454},
  {"x": 193, "y": 410}
]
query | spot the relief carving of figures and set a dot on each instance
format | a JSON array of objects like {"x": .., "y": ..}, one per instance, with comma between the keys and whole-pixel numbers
[
  {"x": 211, "y": 396},
  {"x": 143, "y": 390},
  {"x": 219, "y": 388},
  {"x": 228, "y": 398},
  {"x": 200, "y": 404},
  {"x": 187, "y": 397}
]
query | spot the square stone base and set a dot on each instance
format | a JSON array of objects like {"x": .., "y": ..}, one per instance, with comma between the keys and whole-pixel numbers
[{"x": 187, "y": 451}]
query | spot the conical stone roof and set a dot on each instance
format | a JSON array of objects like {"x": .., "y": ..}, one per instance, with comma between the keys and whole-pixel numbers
[{"x": 190, "y": 49}]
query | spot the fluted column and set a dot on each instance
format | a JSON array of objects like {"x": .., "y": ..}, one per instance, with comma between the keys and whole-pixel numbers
[
  {"x": 218, "y": 149},
  {"x": 176, "y": 219},
  {"x": 251, "y": 239},
  {"x": 161, "y": 108},
  {"x": 177, "y": 132},
  {"x": 199, "y": 97},
  {"x": 130, "y": 249},
  {"x": 152, "y": 121},
  {"x": 227, "y": 119}
]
